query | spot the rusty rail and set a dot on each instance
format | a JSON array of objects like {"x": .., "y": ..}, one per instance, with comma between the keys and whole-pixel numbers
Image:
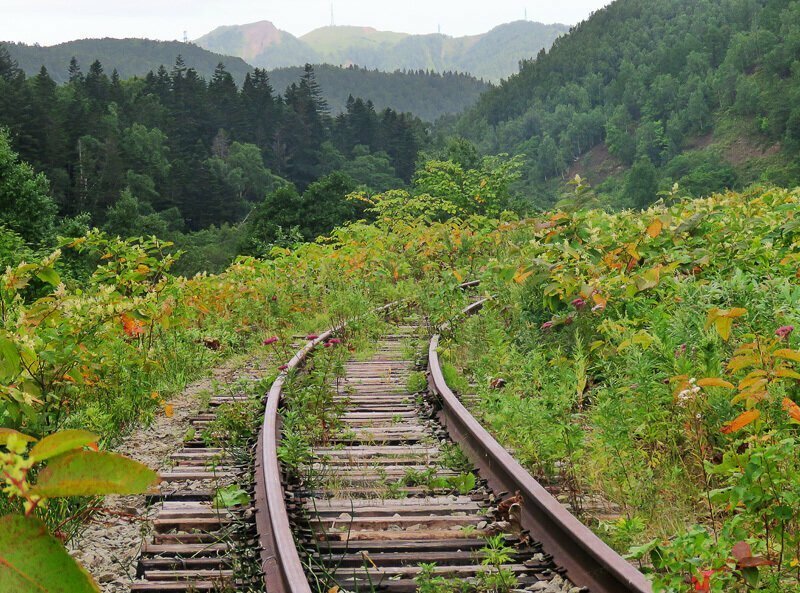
[
  {"x": 280, "y": 561},
  {"x": 588, "y": 560}
]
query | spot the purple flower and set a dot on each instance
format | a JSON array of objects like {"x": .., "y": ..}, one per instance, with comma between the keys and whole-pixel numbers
[
  {"x": 680, "y": 351},
  {"x": 579, "y": 303},
  {"x": 271, "y": 340},
  {"x": 548, "y": 325},
  {"x": 335, "y": 341},
  {"x": 312, "y": 337},
  {"x": 784, "y": 331}
]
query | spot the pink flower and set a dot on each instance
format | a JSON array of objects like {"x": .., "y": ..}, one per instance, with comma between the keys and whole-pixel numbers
[
  {"x": 784, "y": 331},
  {"x": 680, "y": 351},
  {"x": 335, "y": 341},
  {"x": 312, "y": 337},
  {"x": 548, "y": 325},
  {"x": 283, "y": 367},
  {"x": 328, "y": 344},
  {"x": 271, "y": 340},
  {"x": 579, "y": 303}
]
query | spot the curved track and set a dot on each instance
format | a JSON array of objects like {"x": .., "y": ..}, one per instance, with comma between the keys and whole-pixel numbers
[{"x": 385, "y": 509}]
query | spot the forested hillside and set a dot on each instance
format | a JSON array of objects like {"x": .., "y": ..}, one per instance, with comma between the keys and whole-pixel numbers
[
  {"x": 646, "y": 93},
  {"x": 129, "y": 57},
  {"x": 491, "y": 56},
  {"x": 173, "y": 151},
  {"x": 426, "y": 94}
]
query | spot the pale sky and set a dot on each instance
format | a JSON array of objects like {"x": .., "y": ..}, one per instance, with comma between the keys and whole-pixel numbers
[{"x": 48, "y": 22}]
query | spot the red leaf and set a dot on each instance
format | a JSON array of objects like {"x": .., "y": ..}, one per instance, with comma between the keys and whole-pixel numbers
[{"x": 743, "y": 555}]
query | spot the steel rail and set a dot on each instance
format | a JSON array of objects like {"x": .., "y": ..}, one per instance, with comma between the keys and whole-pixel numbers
[
  {"x": 589, "y": 561},
  {"x": 280, "y": 560}
]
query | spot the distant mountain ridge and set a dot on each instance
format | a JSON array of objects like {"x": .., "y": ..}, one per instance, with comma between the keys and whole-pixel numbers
[
  {"x": 130, "y": 57},
  {"x": 492, "y": 56}
]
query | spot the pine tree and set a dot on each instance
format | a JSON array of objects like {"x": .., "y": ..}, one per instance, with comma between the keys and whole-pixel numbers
[{"x": 74, "y": 72}]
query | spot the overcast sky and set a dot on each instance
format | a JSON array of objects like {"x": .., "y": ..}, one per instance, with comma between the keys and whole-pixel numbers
[{"x": 53, "y": 21}]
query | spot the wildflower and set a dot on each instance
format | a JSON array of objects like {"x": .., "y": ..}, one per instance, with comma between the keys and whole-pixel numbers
[
  {"x": 689, "y": 393},
  {"x": 547, "y": 325},
  {"x": 283, "y": 367},
  {"x": 784, "y": 331},
  {"x": 312, "y": 337},
  {"x": 579, "y": 303},
  {"x": 680, "y": 351},
  {"x": 335, "y": 341},
  {"x": 328, "y": 344},
  {"x": 271, "y": 340}
]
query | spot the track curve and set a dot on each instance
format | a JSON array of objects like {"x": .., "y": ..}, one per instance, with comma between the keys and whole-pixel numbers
[{"x": 385, "y": 541}]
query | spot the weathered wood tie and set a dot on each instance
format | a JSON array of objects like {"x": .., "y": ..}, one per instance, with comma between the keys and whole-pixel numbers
[
  {"x": 190, "y": 550},
  {"x": 364, "y": 526}
]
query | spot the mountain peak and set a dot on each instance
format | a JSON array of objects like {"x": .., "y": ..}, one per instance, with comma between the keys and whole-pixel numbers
[{"x": 492, "y": 56}]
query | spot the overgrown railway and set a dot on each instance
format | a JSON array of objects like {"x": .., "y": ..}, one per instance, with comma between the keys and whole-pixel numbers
[{"x": 390, "y": 509}]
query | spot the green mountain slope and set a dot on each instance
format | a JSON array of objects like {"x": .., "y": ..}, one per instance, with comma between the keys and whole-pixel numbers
[
  {"x": 491, "y": 56},
  {"x": 425, "y": 94},
  {"x": 648, "y": 92},
  {"x": 130, "y": 57}
]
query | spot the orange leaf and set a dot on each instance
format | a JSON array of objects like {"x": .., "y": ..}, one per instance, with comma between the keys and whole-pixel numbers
[
  {"x": 715, "y": 382},
  {"x": 741, "y": 421},
  {"x": 787, "y": 354},
  {"x": 169, "y": 410},
  {"x": 752, "y": 384},
  {"x": 655, "y": 228},
  {"x": 521, "y": 276},
  {"x": 741, "y": 362},
  {"x": 787, "y": 373},
  {"x": 792, "y": 408},
  {"x": 599, "y": 300}
]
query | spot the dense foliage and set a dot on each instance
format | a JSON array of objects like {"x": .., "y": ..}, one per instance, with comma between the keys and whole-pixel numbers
[
  {"x": 645, "y": 359},
  {"x": 647, "y": 366},
  {"x": 177, "y": 152},
  {"x": 642, "y": 82},
  {"x": 427, "y": 94}
]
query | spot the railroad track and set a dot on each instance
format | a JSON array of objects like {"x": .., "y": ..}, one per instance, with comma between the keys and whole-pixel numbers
[
  {"x": 384, "y": 509},
  {"x": 390, "y": 510},
  {"x": 368, "y": 527}
]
